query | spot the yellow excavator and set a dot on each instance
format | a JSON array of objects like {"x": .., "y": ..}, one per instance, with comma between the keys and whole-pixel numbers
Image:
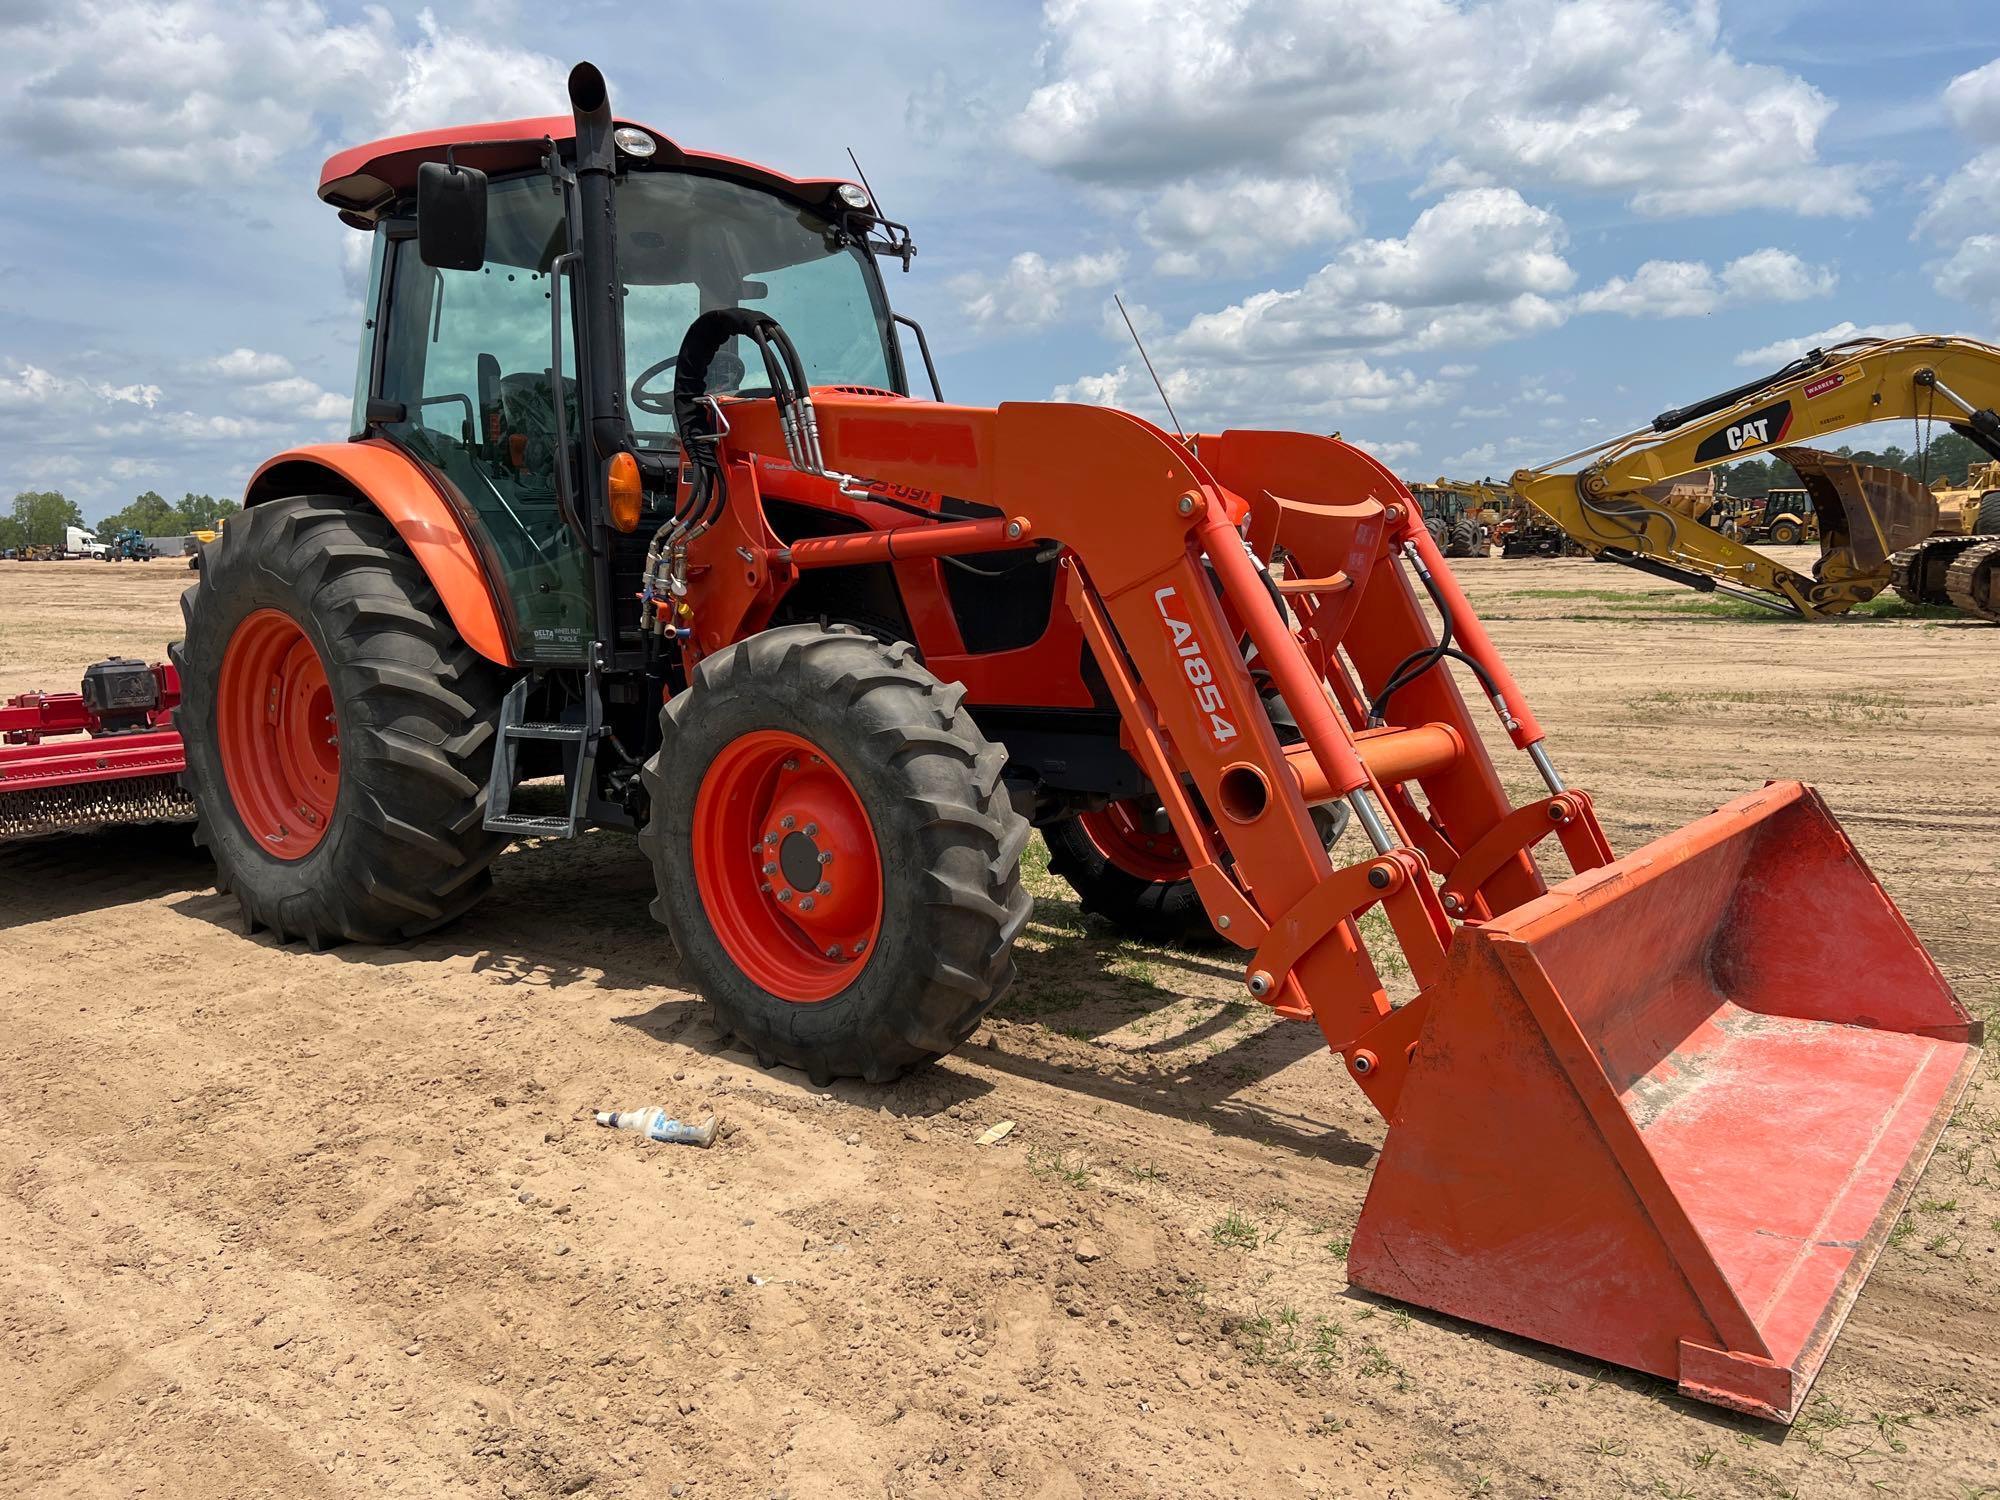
[{"x": 1619, "y": 506}]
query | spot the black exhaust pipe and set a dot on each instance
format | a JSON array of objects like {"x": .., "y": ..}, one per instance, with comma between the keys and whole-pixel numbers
[{"x": 603, "y": 352}]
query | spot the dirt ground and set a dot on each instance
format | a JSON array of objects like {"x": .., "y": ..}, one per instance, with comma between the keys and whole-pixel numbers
[{"x": 283, "y": 1223}]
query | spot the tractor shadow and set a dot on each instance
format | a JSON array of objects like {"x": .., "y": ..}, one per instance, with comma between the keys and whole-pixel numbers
[
  {"x": 1169, "y": 1031},
  {"x": 1092, "y": 1014},
  {"x": 67, "y": 875},
  {"x": 561, "y": 913}
]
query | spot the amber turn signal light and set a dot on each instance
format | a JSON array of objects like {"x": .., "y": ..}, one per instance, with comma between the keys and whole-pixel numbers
[{"x": 624, "y": 492}]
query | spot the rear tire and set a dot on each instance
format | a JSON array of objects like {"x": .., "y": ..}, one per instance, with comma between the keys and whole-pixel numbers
[
  {"x": 1463, "y": 539},
  {"x": 1148, "y": 906},
  {"x": 938, "y": 841},
  {"x": 1987, "y": 522},
  {"x": 1784, "y": 534},
  {"x": 380, "y": 837}
]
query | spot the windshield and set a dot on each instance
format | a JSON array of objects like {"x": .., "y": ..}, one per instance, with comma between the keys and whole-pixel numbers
[{"x": 689, "y": 244}]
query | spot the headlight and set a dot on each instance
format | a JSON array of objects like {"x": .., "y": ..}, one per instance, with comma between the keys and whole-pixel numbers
[
  {"x": 634, "y": 141},
  {"x": 853, "y": 196}
]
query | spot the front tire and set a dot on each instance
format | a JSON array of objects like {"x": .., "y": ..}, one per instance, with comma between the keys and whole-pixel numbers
[
  {"x": 338, "y": 731},
  {"x": 803, "y": 742}
]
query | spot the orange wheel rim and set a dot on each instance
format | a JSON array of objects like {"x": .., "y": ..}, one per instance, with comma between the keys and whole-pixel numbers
[
  {"x": 1129, "y": 834},
  {"x": 787, "y": 865},
  {"x": 279, "y": 735}
]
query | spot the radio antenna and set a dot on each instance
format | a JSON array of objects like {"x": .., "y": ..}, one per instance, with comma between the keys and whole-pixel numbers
[{"x": 1158, "y": 384}]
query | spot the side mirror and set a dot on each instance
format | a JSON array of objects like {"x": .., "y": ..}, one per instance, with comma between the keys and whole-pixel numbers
[{"x": 451, "y": 216}]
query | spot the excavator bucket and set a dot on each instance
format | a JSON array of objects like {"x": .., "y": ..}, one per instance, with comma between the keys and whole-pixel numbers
[
  {"x": 1868, "y": 510},
  {"x": 1666, "y": 1114}
]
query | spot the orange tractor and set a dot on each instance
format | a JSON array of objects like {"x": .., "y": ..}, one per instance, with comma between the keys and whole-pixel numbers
[{"x": 638, "y": 496}]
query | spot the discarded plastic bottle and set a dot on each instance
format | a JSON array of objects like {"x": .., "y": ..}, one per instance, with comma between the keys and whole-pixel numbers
[{"x": 656, "y": 1126}]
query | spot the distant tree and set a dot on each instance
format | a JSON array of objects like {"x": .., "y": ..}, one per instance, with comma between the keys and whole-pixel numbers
[
  {"x": 203, "y": 512},
  {"x": 13, "y": 535},
  {"x": 43, "y": 514},
  {"x": 150, "y": 515}
]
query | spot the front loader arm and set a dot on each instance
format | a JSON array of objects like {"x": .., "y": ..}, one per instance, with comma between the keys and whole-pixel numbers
[
  {"x": 1165, "y": 586},
  {"x": 1606, "y": 505}
]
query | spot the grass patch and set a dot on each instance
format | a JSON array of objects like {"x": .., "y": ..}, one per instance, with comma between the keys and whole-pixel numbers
[{"x": 1235, "y": 1232}]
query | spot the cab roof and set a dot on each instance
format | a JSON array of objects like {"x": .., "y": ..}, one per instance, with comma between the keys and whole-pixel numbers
[{"x": 363, "y": 182}]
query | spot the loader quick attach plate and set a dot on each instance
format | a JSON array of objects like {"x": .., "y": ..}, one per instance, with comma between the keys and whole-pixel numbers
[{"x": 1667, "y": 1114}]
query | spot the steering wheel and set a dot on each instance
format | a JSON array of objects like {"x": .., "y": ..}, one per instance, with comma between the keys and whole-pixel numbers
[{"x": 725, "y": 374}]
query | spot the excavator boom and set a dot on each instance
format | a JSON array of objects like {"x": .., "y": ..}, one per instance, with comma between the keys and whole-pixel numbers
[{"x": 1613, "y": 506}]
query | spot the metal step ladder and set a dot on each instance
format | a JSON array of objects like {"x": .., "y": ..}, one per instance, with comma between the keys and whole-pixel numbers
[{"x": 579, "y": 742}]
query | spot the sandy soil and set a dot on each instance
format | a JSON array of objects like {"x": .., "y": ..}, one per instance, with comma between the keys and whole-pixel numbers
[{"x": 280, "y": 1223}]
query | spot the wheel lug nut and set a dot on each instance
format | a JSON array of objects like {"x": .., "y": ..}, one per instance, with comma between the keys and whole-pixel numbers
[
  {"x": 824, "y": 889},
  {"x": 812, "y": 830},
  {"x": 826, "y": 856},
  {"x": 806, "y": 904},
  {"x": 770, "y": 838},
  {"x": 787, "y": 822},
  {"x": 785, "y": 895},
  {"x": 833, "y": 950},
  {"x": 791, "y": 763},
  {"x": 859, "y": 946},
  {"x": 770, "y": 869}
]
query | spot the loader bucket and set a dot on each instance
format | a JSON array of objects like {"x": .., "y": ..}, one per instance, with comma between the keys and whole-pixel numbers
[
  {"x": 1871, "y": 511},
  {"x": 1666, "y": 1114}
]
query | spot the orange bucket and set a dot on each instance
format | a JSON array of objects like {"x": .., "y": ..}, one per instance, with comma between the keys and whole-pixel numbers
[{"x": 1666, "y": 1114}]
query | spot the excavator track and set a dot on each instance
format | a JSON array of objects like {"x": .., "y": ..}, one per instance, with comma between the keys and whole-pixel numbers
[
  {"x": 1973, "y": 580},
  {"x": 1918, "y": 574}
]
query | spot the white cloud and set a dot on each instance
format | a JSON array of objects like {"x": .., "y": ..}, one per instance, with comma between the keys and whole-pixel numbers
[
  {"x": 1689, "y": 289},
  {"x": 249, "y": 364},
  {"x": 1784, "y": 351},
  {"x": 1479, "y": 266},
  {"x": 1032, "y": 292},
  {"x": 1316, "y": 395},
  {"x": 32, "y": 388},
  {"x": 1772, "y": 275},
  {"x": 1391, "y": 454},
  {"x": 1238, "y": 219},
  {"x": 1964, "y": 211},
  {"x": 1972, "y": 273},
  {"x": 1973, "y": 102},
  {"x": 1966, "y": 202},
  {"x": 296, "y": 396},
  {"x": 178, "y": 93},
  {"x": 1658, "y": 289},
  {"x": 1635, "y": 98}
]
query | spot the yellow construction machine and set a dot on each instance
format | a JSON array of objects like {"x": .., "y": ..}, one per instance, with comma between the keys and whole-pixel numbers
[{"x": 1620, "y": 506}]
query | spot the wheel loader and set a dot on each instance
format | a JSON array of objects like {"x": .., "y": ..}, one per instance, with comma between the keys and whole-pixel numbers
[
  {"x": 639, "y": 499},
  {"x": 1872, "y": 521}
]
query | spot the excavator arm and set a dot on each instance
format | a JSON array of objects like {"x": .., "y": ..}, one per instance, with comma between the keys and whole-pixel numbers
[{"x": 1616, "y": 505}]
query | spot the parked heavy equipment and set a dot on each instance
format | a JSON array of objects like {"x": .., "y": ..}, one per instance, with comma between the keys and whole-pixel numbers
[
  {"x": 1868, "y": 514},
  {"x": 640, "y": 498},
  {"x": 1784, "y": 517},
  {"x": 75, "y": 762},
  {"x": 1960, "y": 564},
  {"x": 129, "y": 545},
  {"x": 1457, "y": 528}
]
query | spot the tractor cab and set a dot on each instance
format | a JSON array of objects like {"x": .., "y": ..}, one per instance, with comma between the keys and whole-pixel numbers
[{"x": 490, "y": 355}]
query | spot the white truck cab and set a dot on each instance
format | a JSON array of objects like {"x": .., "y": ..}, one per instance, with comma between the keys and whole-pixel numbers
[{"x": 80, "y": 543}]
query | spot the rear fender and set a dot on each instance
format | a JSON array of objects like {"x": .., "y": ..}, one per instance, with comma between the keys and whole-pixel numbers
[{"x": 427, "y": 515}]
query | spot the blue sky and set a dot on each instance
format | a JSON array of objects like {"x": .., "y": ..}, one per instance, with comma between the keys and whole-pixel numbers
[{"x": 1466, "y": 235}]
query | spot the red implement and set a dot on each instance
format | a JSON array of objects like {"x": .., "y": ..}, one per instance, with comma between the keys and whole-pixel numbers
[
  {"x": 1718, "y": 1067},
  {"x": 71, "y": 762}
]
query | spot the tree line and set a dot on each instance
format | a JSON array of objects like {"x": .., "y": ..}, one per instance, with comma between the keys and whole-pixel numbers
[
  {"x": 41, "y": 518},
  {"x": 1948, "y": 457}
]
